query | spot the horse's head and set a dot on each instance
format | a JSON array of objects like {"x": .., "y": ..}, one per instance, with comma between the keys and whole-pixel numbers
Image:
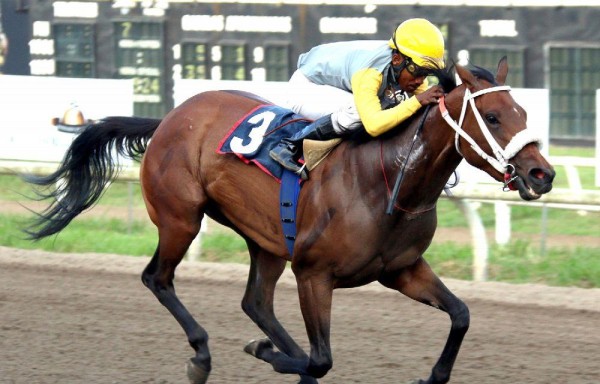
[{"x": 491, "y": 132}]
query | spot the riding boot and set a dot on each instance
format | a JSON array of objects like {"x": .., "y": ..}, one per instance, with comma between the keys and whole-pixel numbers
[{"x": 286, "y": 152}]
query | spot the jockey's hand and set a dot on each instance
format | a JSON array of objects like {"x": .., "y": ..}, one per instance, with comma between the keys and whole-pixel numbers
[{"x": 430, "y": 96}]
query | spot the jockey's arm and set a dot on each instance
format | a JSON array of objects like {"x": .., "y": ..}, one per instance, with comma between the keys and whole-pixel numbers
[{"x": 365, "y": 85}]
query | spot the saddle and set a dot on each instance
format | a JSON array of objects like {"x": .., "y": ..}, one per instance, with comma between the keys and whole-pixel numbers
[{"x": 316, "y": 151}]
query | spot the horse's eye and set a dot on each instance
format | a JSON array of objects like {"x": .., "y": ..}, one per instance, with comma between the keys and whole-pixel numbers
[{"x": 491, "y": 119}]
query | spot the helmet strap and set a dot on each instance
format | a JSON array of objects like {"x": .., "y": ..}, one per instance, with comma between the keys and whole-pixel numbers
[{"x": 400, "y": 67}]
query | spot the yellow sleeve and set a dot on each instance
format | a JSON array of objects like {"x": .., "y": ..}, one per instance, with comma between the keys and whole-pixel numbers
[{"x": 365, "y": 85}]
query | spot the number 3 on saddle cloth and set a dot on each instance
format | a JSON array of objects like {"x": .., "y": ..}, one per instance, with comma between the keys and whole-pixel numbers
[{"x": 251, "y": 138}]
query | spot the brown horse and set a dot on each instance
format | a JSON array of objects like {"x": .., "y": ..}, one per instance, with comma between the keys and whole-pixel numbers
[{"x": 344, "y": 238}]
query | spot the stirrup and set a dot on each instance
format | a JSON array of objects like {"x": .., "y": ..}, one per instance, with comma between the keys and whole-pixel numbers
[
  {"x": 303, "y": 172},
  {"x": 296, "y": 168}
]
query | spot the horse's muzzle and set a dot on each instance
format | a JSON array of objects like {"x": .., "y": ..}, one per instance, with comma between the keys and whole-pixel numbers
[{"x": 537, "y": 182}]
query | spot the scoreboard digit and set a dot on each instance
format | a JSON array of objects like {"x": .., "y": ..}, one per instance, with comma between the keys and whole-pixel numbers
[
  {"x": 140, "y": 56},
  {"x": 194, "y": 58}
]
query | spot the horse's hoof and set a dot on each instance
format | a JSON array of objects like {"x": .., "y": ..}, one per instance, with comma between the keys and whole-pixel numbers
[
  {"x": 308, "y": 380},
  {"x": 255, "y": 347},
  {"x": 196, "y": 374}
]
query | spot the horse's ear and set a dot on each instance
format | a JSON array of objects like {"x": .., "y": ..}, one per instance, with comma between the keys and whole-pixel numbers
[
  {"x": 502, "y": 71},
  {"x": 467, "y": 78}
]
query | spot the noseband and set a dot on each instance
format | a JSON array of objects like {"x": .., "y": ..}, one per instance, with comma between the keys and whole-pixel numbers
[{"x": 501, "y": 156}]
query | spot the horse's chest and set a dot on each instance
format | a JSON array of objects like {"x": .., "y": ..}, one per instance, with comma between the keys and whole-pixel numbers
[{"x": 409, "y": 238}]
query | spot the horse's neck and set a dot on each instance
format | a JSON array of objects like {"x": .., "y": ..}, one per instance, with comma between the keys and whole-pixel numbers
[
  {"x": 443, "y": 157},
  {"x": 428, "y": 166}
]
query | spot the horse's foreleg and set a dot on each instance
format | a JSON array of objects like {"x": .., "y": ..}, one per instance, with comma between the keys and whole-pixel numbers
[
  {"x": 315, "y": 292},
  {"x": 158, "y": 277},
  {"x": 265, "y": 271},
  {"x": 420, "y": 283}
]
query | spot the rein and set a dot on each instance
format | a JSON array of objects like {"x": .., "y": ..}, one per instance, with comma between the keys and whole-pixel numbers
[
  {"x": 400, "y": 177},
  {"x": 501, "y": 158}
]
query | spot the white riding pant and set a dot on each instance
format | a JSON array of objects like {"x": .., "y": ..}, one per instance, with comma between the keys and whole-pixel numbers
[{"x": 315, "y": 100}]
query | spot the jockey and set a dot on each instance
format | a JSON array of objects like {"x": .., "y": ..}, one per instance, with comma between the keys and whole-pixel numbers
[{"x": 376, "y": 84}]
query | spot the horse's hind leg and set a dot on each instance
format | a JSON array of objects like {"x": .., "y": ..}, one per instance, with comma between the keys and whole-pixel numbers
[
  {"x": 178, "y": 225},
  {"x": 158, "y": 277},
  {"x": 265, "y": 270},
  {"x": 420, "y": 283}
]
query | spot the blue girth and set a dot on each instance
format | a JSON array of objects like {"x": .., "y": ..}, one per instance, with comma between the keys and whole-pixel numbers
[{"x": 288, "y": 202}]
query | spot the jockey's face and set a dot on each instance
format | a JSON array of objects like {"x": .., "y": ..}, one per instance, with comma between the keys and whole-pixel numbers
[{"x": 408, "y": 81}]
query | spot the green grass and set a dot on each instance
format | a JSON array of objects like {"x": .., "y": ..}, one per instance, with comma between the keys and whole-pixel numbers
[
  {"x": 520, "y": 262},
  {"x": 119, "y": 194},
  {"x": 517, "y": 262},
  {"x": 559, "y": 150},
  {"x": 224, "y": 247},
  {"x": 84, "y": 235},
  {"x": 138, "y": 238},
  {"x": 114, "y": 236}
]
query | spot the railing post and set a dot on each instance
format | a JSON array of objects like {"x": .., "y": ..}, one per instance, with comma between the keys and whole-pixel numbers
[
  {"x": 478, "y": 237},
  {"x": 503, "y": 226},
  {"x": 129, "y": 206},
  {"x": 194, "y": 252},
  {"x": 544, "y": 230},
  {"x": 597, "y": 165}
]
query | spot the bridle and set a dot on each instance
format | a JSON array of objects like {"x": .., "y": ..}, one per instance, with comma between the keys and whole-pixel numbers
[{"x": 500, "y": 160}]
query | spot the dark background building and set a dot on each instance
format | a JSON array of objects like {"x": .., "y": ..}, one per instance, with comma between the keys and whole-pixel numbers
[{"x": 155, "y": 42}]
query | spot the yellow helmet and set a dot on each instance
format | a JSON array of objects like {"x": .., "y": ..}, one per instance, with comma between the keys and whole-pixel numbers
[{"x": 420, "y": 40}]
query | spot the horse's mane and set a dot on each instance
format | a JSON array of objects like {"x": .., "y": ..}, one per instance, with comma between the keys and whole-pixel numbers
[
  {"x": 483, "y": 74},
  {"x": 447, "y": 78}
]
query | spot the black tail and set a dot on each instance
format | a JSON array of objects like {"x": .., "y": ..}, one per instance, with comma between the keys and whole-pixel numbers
[{"x": 88, "y": 166}]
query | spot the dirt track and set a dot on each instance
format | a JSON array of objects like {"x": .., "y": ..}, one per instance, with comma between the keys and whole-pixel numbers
[{"x": 88, "y": 319}]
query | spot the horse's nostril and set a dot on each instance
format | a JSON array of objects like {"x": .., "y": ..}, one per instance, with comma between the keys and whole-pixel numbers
[
  {"x": 541, "y": 174},
  {"x": 538, "y": 173}
]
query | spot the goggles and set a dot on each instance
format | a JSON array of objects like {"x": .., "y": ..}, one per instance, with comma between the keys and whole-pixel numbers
[{"x": 414, "y": 69}]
